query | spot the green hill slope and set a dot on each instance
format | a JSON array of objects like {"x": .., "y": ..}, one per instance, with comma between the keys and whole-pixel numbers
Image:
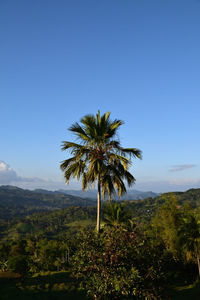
[{"x": 17, "y": 202}]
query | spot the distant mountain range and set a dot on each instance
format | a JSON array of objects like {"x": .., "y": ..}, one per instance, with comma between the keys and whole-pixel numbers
[
  {"x": 92, "y": 194},
  {"x": 60, "y": 198},
  {"x": 17, "y": 202}
]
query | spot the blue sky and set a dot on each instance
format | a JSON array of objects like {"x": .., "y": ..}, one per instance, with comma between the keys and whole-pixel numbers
[{"x": 139, "y": 59}]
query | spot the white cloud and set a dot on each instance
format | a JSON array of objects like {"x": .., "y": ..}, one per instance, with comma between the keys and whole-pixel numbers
[
  {"x": 8, "y": 176},
  {"x": 181, "y": 167}
]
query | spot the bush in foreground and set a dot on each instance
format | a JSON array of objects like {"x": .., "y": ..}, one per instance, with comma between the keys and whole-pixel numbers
[{"x": 118, "y": 263}]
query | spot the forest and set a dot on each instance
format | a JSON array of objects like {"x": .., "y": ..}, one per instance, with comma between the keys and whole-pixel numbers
[{"x": 146, "y": 249}]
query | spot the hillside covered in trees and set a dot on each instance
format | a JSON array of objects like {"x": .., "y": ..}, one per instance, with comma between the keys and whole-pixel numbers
[
  {"x": 25, "y": 213},
  {"x": 17, "y": 202},
  {"x": 50, "y": 242}
]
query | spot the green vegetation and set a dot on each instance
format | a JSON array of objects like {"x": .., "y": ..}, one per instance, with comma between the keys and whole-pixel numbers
[
  {"x": 99, "y": 157},
  {"x": 146, "y": 248},
  {"x": 16, "y": 202}
]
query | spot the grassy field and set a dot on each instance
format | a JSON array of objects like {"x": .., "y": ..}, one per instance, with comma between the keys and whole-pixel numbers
[
  {"x": 44, "y": 286},
  {"x": 60, "y": 286},
  {"x": 186, "y": 292}
]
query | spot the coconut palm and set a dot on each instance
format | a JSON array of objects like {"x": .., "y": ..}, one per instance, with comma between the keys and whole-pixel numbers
[
  {"x": 114, "y": 214},
  {"x": 99, "y": 157}
]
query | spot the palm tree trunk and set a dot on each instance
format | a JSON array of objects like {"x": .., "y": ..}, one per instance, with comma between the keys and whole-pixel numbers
[
  {"x": 98, "y": 206},
  {"x": 198, "y": 262},
  {"x": 109, "y": 196}
]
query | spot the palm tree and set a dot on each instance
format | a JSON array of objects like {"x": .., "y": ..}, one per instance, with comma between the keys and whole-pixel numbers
[
  {"x": 114, "y": 214},
  {"x": 99, "y": 157}
]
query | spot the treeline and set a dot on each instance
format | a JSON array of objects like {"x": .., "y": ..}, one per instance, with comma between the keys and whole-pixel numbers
[
  {"x": 55, "y": 223},
  {"x": 52, "y": 225}
]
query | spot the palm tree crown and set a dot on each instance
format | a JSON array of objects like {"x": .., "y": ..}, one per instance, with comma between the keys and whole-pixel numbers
[{"x": 99, "y": 157}]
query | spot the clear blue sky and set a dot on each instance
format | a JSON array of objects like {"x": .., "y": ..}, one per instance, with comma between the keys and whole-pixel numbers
[{"x": 139, "y": 59}]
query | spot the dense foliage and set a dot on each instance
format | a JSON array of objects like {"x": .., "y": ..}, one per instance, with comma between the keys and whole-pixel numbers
[
  {"x": 144, "y": 247},
  {"x": 122, "y": 262}
]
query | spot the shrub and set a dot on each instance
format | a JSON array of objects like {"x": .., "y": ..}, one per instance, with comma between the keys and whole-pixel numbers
[{"x": 118, "y": 263}]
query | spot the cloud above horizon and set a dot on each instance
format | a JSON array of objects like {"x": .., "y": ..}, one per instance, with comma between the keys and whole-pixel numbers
[
  {"x": 178, "y": 168},
  {"x": 8, "y": 176}
]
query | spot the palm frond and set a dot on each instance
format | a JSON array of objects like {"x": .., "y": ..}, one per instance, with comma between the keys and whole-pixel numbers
[
  {"x": 66, "y": 163},
  {"x": 67, "y": 145},
  {"x": 79, "y": 132},
  {"x": 133, "y": 152},
  {"x": 75, "y": 170}
]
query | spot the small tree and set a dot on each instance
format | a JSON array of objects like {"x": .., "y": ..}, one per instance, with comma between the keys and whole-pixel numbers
[
  {"x": 114, "y": 214},
  {"x": 18, "y": 264},
  {"x": 121, "y": 264},
  {"x": 190, "y": 239},
  {"x": 167, "y": 225}
]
